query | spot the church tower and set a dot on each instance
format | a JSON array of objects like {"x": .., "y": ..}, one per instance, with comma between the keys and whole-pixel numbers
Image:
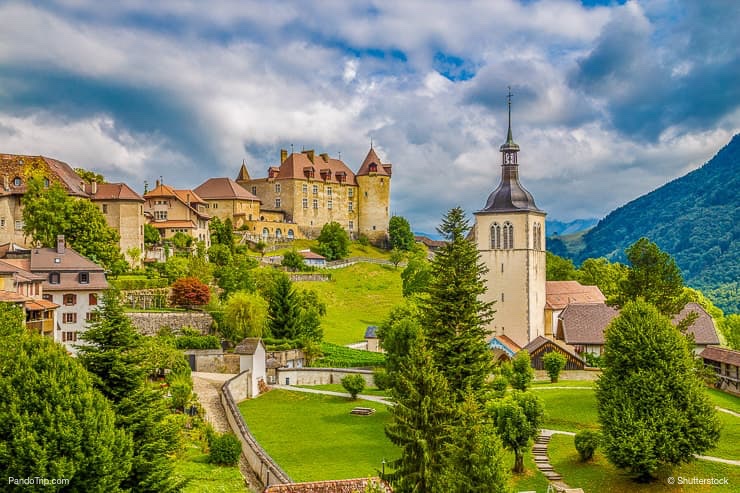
[{"x": 510, "y": 235}]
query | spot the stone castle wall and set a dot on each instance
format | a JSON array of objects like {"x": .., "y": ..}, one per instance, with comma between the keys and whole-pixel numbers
[{"x": 149, "y": 323}]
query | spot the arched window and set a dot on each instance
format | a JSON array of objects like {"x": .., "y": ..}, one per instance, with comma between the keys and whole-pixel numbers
[
  {"x": 17, "y": 181},
  {"x": 291, "y": 235},
  {"x": 265, "y": 232},
  {"x": 278, "y": 233},
  {"x": 508, "y": 236},
  {"x": 495, "y": 236}
]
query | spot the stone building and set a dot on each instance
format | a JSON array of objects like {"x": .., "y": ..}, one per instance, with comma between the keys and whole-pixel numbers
[
  {"x": 510, "y": 236},
  {"x": 124, "y": 211},
  {"x": 177, "y": 211},
  {"x": 226, "y": 199},
  {"x": 308, "y": 190}
]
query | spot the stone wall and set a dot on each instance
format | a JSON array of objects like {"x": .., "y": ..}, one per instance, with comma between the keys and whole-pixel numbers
[
  {"x": 213, "y": 360},
  {"x": 320, "y": 376},
  {"x": 266, "y": 469},
  {"x": 149, "y": 323}
]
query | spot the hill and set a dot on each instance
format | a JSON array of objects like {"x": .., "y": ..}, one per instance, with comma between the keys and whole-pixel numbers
[
  {"x": 694, "y": 218},
  {"x": 561, "y": 228}
]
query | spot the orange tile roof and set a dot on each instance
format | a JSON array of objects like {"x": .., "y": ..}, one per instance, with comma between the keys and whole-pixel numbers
[
  {"x": 224, "y": 189},
  {"x": 115, "y": 191},
  {"x": 382, "y": 169},
  {"x": 187, "y": 197},
  {"x": 12, "y": 297},
  {"x": 39, "y": 304},
  {"x": 294, "y": 165}
]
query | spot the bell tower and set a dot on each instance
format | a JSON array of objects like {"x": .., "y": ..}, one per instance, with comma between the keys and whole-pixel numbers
[{"x": 510, "y": 236}]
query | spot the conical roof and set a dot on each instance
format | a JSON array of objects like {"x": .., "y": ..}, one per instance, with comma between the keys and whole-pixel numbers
[{"x": 371, "y": 158}]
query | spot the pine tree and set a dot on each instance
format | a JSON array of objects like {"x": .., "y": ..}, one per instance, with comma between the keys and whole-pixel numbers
[
  {"x": 652, "y": 405},
  {"x": 453, "y": 315},
  {"x": 419, "y": 424},
  {"x": 283, "y": 312}
]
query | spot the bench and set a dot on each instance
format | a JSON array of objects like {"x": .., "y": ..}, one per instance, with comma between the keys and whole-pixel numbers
[{"x": 363, "y": 411}]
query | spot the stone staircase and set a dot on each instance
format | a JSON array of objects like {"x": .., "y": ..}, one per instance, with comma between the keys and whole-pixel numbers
[{"x": 541, "y": 460}]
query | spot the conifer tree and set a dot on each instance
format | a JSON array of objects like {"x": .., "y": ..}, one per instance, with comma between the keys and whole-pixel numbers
[
  {"x": 453, "y": 315},
  {"x": 419, "y": 425},
  {"x": 652, "y": 405},
  {"x": 283, "y": 312}
]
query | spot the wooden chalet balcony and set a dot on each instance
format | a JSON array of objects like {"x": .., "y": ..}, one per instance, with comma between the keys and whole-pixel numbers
[{"x": 43, "y": 327}]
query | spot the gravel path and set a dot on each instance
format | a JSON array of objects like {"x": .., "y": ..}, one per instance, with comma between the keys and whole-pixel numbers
[{"x": 207, "y": 386}]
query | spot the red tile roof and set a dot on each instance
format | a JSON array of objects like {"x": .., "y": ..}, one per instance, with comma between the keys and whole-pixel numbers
[
  {"x": 224, "y": 189},
  {"x": 560, "y": 293},
  {"x": 722, "y": 355},
  {"x": 15, "y": 165},
  {"x": 308, "y": 254},
  {"x": 115, "y": 191},
  {"x": 12, "y": 297},
  {"x": 294, "y": 165},
  {"x": 372, "y": 158}
]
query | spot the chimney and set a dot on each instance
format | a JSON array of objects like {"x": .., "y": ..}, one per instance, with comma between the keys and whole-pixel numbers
[
  {"x": 94, "y": 186},
  {"x": 325, "y": 157},
  {"x": 60, "y": 244},
  {"x": 283, "y": 155},
  {"x": 156, "y": 184},
  {"x": 309, "y": 153}
]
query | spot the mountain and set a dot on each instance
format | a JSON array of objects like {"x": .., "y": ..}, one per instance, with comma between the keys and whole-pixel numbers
[
  {"x": 694, "y": 218},
  {"x": 558, "y": 228}
]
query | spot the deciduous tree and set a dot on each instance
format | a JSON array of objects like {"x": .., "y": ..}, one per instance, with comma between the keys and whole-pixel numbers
[
  {"x": 189, "y": 292},
  {"x": 518, "y": 417},
  {"x": 245, "y": 315},
  {"x": 652, "y": 405},
  {"x": 399, "y": 233},
  {"x": 333, "y": 241},
  {"x": 416, "y": 275},
  {"x": 522, "y": 373},
  {"x": 554, "y": 363}
]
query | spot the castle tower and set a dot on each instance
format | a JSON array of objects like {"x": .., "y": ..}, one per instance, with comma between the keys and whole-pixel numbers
[
  {"x": 510, "y": 235},
  {"x": 374, "y": 189}
]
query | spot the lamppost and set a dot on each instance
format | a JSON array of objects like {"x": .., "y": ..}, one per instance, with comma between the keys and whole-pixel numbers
[{"x": 382, "y": 475}]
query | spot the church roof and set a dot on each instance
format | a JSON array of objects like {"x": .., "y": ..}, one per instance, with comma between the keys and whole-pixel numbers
[
  {"x": 510, "y": 196},
  {"x": 223, "y": 189}
]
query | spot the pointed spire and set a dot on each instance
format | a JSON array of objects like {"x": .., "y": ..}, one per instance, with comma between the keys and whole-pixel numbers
[{"x": 509, "y": 145}]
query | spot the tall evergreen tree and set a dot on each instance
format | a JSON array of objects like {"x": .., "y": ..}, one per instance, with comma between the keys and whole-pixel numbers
[
  {"x": 652, "y": 406},
  {"x": 453, "y": 315},
  {"x": 283, "y": 312},
  {"x": 419, "y": 424}
]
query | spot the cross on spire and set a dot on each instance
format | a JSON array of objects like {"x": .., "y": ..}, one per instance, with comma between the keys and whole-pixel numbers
[{"x": 508, "y": 97}]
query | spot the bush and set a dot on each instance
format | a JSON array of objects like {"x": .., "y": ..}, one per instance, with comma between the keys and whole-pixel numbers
[
  {"x": 593, "y": 360},
  {"x": 499, "y": 384},
  {"x": 382, "y": 379},
  {"x": 554, "y": 363},
  {"x": 225, "y": 449},
  {"x": 522, "y": 372},
  {"x": 189, "y": 291},
  {"x": 586, "y": 442},
  {"x": 138, "y": 283},
  {"x": 197, "y": 342},
  {"x": 354, "y": 384},
  {"x": 181, "y": 386}
]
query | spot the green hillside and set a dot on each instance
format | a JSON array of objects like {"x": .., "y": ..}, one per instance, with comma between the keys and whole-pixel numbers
[{"x": 694, "y": 218}]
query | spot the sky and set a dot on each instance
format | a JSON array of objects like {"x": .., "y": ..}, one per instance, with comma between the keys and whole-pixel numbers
[{"x": 610, "y": 99}]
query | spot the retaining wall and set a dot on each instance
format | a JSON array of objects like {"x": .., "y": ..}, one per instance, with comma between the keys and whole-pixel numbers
[
  {"x": 266, "y": 469},
  {"x": 149, "y": 323},
  {"x": 320, "y": 376}
]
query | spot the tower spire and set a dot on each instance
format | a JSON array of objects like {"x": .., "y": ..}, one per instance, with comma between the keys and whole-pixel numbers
[
  {"x": 510, "y": 147},
  {"x": 509, "y": 137}
]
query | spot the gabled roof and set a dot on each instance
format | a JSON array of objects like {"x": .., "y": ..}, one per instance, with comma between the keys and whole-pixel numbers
[
  {"x": 372, "y": 158},
  {"x": 541, "y": 341},
  {"x": 703, "y": 327},
  {"x": 333, "y": 486},
  {"x": 560, "y": 293},
  {"x": 15, "y": 165},
  {"x": 224, "y": 189},
  {"x": 47, "y": 259},
  {"x": 584, "y": 323},
  {"x": 371, "y": 332},
  {"x": 294, "y": 165},
  {"x": 243, "y": 173},
  {"x": 722, "y": 355},
  {"x": 186, "y": 197},
  {"x": 505, "y": 344},
  {"x": 309, "y": 255},
  {"x": 249, "y": 346},
  {"x": 115, "y": 191}
]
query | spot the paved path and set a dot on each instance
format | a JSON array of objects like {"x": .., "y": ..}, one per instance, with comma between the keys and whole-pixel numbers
[
  {"x": 373, "y": 398},
  {"x": 206, "y": 386},
  {"x": 723, "y": 410}
]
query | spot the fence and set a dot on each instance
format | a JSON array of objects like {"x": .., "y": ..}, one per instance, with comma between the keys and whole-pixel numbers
[{"x": 261, "y": 463}]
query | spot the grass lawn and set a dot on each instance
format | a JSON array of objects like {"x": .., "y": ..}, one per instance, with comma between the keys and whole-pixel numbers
[
  {"x": 725, "y": 400},
  {"x": 357, "y": 296},
  {"x": 729, "y": 439},
  {"x": 192, "y": 464},
  {"x": 568, "y": 409},
  {"x": 337, "y": 387},
  {"x": 598, "y": 476},
  {"x": 544, "y": 384}
]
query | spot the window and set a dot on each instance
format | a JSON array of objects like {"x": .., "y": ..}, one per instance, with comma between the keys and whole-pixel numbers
[
  {"x": 373, "y": 227},
  {"x": 350, "y": 192},
  {"x": 508, "y": 236},
  {"x": 92, "y": 317},
  {"x": 278, "y": 233},
  {"x": 315, "y": 204},
  {"x": 291, "y": 234},
  {"x": 495, "y": 236},
  {"x": 365, "y": 194},
  {"x": 328, "y": 191},
  {"x": 69, "y": 336},
  {"x": 254, "y": 190},
  {"x": 350, "y": 206},
  {"x": 537, "y": 236},
  {"x": 47, "y": 297},
  {"x": 305, "y": 203},
  {"x": 46, "y": 183},
  {"x": 315, "y": 189},
  {"x": 160, "y": 215},
  {"x": 277, "y": 203},
  {"x": 92, "y": 299},
  {"x": 54, "y": 278},
  {"x": 265, "y": 232},
  {"x": 2, "y": 222},
  {"x": 69, "y": 318},
  {"x": 502, "y": 297},
  {"x": 70, "y": 299},
  {"x": 329, "y": 204},
  {"x": 277, "y": 187},
  {"x": 351, "y": 225},
  {"x": 105, "y": 208},
  {"x": 305, "y": 188},
  {"x": 19, "y": 225},
  {"x": 17, "y": 181},
  {"x": 84, "y": 278}
]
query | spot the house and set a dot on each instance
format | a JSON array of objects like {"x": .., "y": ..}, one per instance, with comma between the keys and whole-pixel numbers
[
  {"x": 252, "y": 358},
  {"x": 25, "y": 289},
  {"x": 539, "y": 347},
  {"x": 503, "y": 348},
  {"x": 559, "y": 294},
  {"x": 70, "y": 281},
  {"x": 174, "y": 211},
  {"x": 371, "y": 338},
  {"x": 726, "y": 365},
  {"x": 332, "y": 486},
  {"x": 226, "y": 199},
  {"x": 312, "y": 259},
  {"x": 124, "y": 211},
  {"x": 306, "y": 191},
  {"x": 582, "y": 326}
]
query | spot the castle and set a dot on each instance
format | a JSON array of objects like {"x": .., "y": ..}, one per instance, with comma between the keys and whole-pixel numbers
[{"x": 308, "y": 190}]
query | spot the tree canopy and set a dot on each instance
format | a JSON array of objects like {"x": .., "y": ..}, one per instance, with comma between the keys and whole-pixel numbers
[
  {"x": 333, "y": 241},
  {"x": 399, "y": 233}
]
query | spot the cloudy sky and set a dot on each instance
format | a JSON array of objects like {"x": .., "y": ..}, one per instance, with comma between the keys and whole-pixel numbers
[{"x": 611, "y": 99}]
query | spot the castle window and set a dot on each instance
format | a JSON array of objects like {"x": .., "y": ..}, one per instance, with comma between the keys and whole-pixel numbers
[
  {"x": 291, "y": 234},
  {"x": 508, "y": 236},
  {"x": 265, "y": 232},
  {"x": 351, "y": 225},
  {"x": 350, "y": 192},
  {"x": 19, "y": 225},
  {"x": 2, "y": 222},
  {"x": 17, "y": 181},
  {"x": 495, "y": 236},
  {"x": 305, "y": 188},
  {"x": 105, "y": 208},
  {"x": 277, "y": 203},
  {"x": 278, "y": 233},
  {"x": 502, "y": 297},
  {"x": 329, "y": 204},
  {"x": 305, "y": 203},
  {"x": 373, "y": 168},
  {"x": 315, "y": 204},
  {"x": 365, "y": 194},
  {"x": 315, "y": 189},
  {"x": 328, "y": 191},
  {"x": 382, "y": 180},
  {"x": 254, "y": 190},
  {"x": 277, "y": 187},
  {"x": 350, "y": 206},
  {"x": 537, "y": 236}
]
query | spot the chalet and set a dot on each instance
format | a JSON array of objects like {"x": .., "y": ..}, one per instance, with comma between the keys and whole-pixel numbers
[
  {"x": 726, "y": 365},
  {"x": 539, "y": 347}
]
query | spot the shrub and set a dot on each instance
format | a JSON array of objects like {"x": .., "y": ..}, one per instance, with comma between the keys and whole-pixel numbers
[
  {"x": 293, "y": 261},
  {"x": 197, "y": 342},
  {"x": 353, "y": 384},
  {"x": 225, "y": 449},
  {"x": 499, "y": 384},
  {"x": 522, "y": 372},
  {"x": 181, "y": 386},
  {"x": 586, "y": 442},
  {"x": 554, "y": 363},
  {"x": 382, "y": 379},
  {"x": 189, "y": 291},
  {"x": 593, "y": 360}
]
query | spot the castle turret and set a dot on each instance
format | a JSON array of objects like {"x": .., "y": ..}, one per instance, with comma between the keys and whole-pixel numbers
[
  {"x": 374, "y": 188},
  {"x": 510, "y": 235}
]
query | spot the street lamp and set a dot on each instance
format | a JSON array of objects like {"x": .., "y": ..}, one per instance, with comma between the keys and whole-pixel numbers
[{"x": 382, "y": 475}]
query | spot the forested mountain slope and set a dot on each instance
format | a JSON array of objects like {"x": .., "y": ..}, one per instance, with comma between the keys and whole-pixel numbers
[{"x": 694, "y": 218}]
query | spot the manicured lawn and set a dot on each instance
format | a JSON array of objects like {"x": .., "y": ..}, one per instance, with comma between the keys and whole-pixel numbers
[
  {"x": 542, "y": 384},
  {"x": 357, "y": 296},
  {"x": 598, "y": 476},
  {"x": 192, "y": 464},
  {"x": 725, "y": 400},
  {"x": 337, "y": 387},
  {"x": 568, "y": 409},
  {"x": 313, "y": 437},
  {"x": 729, "y": 438},
  {"x": 355, "y": 249}
]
